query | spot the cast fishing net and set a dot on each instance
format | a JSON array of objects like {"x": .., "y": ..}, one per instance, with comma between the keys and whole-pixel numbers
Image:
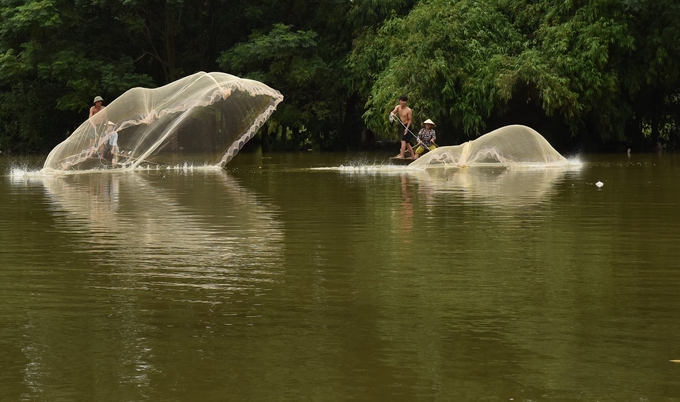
[
  {"x": 509, "y": 146},
  {"x": 202, "y": 119}
]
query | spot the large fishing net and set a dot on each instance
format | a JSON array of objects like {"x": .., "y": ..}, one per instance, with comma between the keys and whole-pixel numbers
[
  {"x": 203, "y": 119},
  {"x": 508, "y": 146}
]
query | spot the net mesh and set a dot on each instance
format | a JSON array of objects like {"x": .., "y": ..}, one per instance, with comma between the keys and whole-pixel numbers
[
  {"x": 509, "y": 146},
  {"x": 202, "y": 119}
]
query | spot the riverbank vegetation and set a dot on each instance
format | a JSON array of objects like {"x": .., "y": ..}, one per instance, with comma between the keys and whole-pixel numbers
[{"x": 590, "y": 75}]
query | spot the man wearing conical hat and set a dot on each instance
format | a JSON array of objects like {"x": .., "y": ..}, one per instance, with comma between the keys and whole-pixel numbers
[{"x": 426, "y": 137}]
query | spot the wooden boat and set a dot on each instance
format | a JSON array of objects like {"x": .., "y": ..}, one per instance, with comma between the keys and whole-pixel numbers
[{"x": 398, "y": 160}]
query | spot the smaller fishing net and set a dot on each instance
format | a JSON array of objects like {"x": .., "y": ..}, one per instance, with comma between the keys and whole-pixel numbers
[
  {"x": 508, "y": 146},
  {"x": 202, "y": 119}
]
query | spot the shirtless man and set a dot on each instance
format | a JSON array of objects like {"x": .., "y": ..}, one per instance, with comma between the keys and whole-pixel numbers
[
  {"x": 406, "y": 118},
  {"x": 98, "y": 105}
]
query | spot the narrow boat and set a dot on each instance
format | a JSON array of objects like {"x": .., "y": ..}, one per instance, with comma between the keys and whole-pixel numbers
[{"x": 398, "y": 160}]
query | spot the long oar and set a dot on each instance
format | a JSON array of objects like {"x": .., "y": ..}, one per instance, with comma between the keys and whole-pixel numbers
[{"x": 392, "y": 118}]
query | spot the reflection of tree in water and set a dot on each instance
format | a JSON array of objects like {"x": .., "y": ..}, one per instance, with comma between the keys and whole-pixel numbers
[{"x": 153, "y": 244}]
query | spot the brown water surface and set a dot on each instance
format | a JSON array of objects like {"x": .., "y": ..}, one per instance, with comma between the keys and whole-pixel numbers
[{"x": 332, "y": 277}]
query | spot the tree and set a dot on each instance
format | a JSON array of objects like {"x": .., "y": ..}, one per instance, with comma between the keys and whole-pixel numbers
[
  {"x": 601, "y": 72},
  {"x": 574, "y": 65},
  {"x": 289, "y": 62},
  {"x": 444, "y": 56},
  {"x": 51, "y": 65},
  {"x": 651, "y": 76}
]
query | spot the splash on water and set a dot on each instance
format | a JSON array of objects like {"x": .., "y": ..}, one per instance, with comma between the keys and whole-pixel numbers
[
  {"x": 20, "y": 175},
  {"x": 23, "y": 175}
]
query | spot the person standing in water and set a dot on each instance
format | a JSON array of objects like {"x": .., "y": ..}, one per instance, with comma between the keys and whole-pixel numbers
[
  {"x": 406, "y": 118},
  {"x": 426, "y": 137}
]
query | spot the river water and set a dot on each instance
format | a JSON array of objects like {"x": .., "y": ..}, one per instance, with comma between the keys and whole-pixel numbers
[{"x": 327, "y": 277}]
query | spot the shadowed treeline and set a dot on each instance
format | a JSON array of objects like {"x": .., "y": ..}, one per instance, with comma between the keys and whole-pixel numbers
[{"x": 587, "y": 75}]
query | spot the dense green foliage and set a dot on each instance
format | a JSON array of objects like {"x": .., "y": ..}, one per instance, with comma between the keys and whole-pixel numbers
[
  {"x": 599, "y": 73},
  {"x": 585, "y": 71}
]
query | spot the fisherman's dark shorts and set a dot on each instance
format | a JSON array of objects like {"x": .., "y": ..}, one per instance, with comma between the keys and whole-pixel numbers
[{"x": 400, "y": 131}]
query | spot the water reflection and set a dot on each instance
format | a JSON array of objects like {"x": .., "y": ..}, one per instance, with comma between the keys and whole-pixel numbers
[
  {"x": 146, "y": 243},
  {"x": 399, "y": 284},
  {"x": 405, "y": 215},
  {"x": 494, "y": 185},
  {"x": 491, "y": 184},
  {"x": 155, "y": 236}
]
